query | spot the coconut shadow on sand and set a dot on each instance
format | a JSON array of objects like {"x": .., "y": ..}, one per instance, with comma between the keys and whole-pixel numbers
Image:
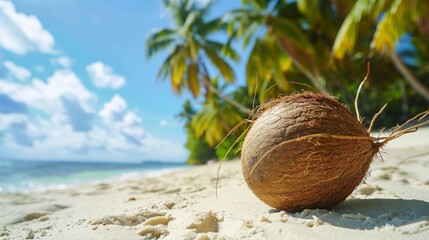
[{"x": 406, "y": 215}]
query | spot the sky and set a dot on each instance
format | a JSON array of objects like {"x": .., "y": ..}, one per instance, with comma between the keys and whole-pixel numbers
[{"x": 75, "y": 83}]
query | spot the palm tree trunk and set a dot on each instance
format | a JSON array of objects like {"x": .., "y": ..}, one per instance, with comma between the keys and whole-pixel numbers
[
  {"x": 224, "y": 97},
  {"x": 208, "y": 85},
  {"x": 408, "y": 75}
]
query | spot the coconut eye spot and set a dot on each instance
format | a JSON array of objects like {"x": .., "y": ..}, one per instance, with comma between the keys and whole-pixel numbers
[{"x": 252, "y": 160}]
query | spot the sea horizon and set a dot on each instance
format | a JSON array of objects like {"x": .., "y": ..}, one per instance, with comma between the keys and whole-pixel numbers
[
  {"x": 41, "y": 175},
  {"x": 180, "y": 162}
]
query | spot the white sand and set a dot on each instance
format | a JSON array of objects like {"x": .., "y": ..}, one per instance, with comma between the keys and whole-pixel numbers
[{"x": 393, "y": 204}]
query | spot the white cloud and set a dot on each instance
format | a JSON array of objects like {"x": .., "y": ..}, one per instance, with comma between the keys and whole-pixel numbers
[
  {"x": 127, "y": 134},
  {"x": 21, "y": 33},
  {"x": 127, "y": 123},
  {"x": 103, "y": 76},
  {"x": 17, "y": 72},
  {"x": 62, "y": 97},
  {"x": 113, "y": 110},
  {"x": 62, "y": 123},
  {"x": 47, "y": 96},
  {"x": 62, "y": 61}
]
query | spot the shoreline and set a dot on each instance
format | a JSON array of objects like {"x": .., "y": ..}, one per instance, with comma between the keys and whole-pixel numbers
[
  {"x": 393, "y": 203},
  {"x": 40, "y": 188}
]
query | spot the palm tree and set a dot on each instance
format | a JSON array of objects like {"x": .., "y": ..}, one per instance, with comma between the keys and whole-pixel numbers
[
  {"x": 392, "y": 18},
  {"x": 189, "y": 49}
]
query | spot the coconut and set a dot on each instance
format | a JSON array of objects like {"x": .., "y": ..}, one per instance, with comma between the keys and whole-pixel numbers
[{"x": 306, "y": 150}]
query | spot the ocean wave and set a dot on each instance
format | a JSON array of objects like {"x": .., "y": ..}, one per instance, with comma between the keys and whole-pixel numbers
[{"x": 48, "y": 183}]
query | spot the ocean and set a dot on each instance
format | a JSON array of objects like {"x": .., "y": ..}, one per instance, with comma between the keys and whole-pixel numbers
[{"x": 34, "y": 176}]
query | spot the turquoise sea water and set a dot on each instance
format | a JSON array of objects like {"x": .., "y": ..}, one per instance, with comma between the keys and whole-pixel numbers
[{"x": 27, "y": 176}]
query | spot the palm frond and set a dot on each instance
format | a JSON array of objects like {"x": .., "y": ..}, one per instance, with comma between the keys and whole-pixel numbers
[
  {"x": 215, "y": 120},
  {"x": 239, "y": 21},
  {"x": 225, "y": 49},
  {"x": 223, "y": 67},
  {"x": 161, "y": 34},
  {"x": 347, "y": 35},
  {"x": 194, "y": 48},
  {"x": 178, "y": 65},
  {"x": 266, "y": 66},
  {"x": 166, "y": 67},
  {"x": 192, "y": 79},
  {"x": 397, "y": 20},
  {"x": 250, "y": 33},
  {"x": 190, "y": 22},
  {"x": 154, "y": 47},
  {"x": 211, "y": 26},
  {"x": 287, "y": 30}
]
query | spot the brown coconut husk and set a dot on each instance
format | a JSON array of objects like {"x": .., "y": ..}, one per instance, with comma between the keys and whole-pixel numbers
[{"x": 307, "y": 150}]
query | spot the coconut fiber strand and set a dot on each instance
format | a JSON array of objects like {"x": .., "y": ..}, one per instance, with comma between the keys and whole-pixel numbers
[{"x": 306, "y": 150}]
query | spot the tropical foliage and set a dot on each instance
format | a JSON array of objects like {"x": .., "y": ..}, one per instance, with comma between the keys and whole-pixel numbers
[
  {"x": 199, "y": 149},
  {"x": 290, "y": 45}
]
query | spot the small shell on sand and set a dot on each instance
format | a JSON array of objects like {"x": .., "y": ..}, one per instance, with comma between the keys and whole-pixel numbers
[
  {"x": 315, "y": 222},
  {"x": 163, "y": 220},
  {"x": 206, "y": 222},
  {"x": 368, "y": 190},
  {"x": 169, "y": 205},
  {"x": 264, "y": 219},
  {"x": 154, "y": 232}
]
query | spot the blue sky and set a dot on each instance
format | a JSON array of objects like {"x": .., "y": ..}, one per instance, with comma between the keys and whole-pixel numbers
[{"x": 75, "y": 83}]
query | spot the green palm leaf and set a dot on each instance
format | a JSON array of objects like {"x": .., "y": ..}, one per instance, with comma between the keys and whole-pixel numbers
[
  {"x": 192, "y": 79},
  {"x": 266, "y": 66},
  {"x": 215, "y": 120},
  {"x": 161, "y": 34},
  {"x": 225, "y": 49},
  {"x": 220, "y": 64},
  {"x": 347, "y": 35},
  {"x": 165, "y": 69},
  {"x": 211, "y": 27},
  {"x": 178, "y": 64},
  {"x": 397, "y": 20},
  {"x": 154, "y": 47},
  {"x": 287, "y": 30}
]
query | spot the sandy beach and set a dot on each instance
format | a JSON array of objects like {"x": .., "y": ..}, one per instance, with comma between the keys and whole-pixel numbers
[{"x": 393, "y": 203}]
